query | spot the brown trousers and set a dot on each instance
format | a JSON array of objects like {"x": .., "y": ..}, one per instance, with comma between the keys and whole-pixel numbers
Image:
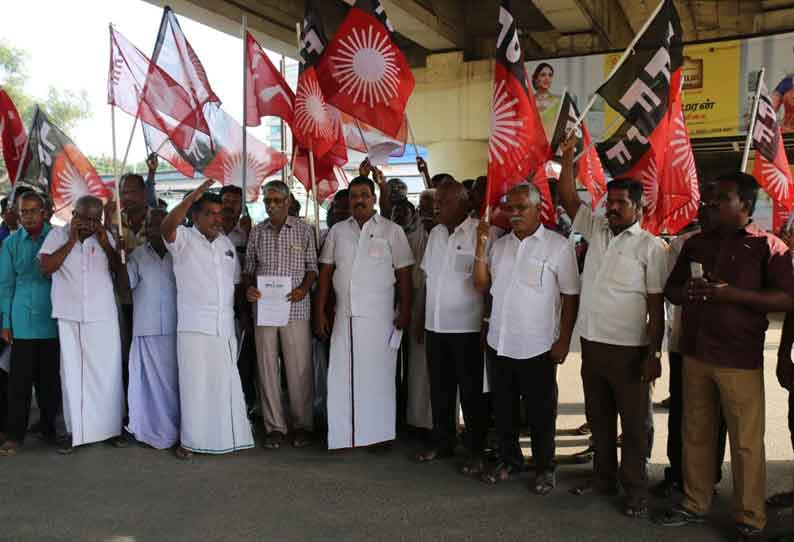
[
  {"x": 740, "y": 393},
  {"x": 296, "y": 353},
  {"x": 611, "y": 376}
]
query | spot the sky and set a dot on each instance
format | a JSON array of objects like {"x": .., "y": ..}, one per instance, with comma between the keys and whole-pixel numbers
[{"x": 68, "y": 47}]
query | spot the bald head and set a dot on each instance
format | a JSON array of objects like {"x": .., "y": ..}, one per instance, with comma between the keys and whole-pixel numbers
[{"x": 88, "y": 204}]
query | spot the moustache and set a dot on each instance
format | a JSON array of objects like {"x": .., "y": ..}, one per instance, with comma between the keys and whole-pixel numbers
[
  {"x": 359, "y": 206},
  {"x": 612, "y": 213},
  {"x": 515, "y": 220}
]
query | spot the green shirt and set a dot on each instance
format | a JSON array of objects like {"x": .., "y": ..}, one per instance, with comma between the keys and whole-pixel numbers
[{"x": 24, "y": 292}]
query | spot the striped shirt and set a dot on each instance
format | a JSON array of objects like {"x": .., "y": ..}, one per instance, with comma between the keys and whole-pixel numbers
[{"x": 288, "y": 253}]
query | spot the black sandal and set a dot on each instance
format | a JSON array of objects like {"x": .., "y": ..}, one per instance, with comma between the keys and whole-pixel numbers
[
  {"x": 637, "y": 510},
  {"x": 472, "y": 467},
  {"x": 501, "y": 472},
  {"x": 544, "y": 483}
]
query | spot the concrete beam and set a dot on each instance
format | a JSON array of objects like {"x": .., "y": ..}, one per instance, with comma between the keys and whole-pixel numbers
[
  {"x": 438, "y": 29},
  {"x": 775, "y": 19},
  {"x": 565, "y": 15},
  {"x": 608, "y": 20}
]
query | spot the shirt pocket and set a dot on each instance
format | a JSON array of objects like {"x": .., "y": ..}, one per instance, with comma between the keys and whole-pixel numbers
[
  {"x": 377, "y": 248},
  {"x": 463, "y": 263},
  {"x": 627, "y": 274},
  {"x": 533, "y": 273}
]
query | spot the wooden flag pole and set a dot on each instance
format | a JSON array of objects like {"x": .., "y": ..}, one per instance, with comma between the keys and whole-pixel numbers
[
  {"x": 245, "y": 112},
  {"x": 593, "y": 142},
  {"x": 122, "y": 252},
  {"x": 314, "y": 197},
  {"x": 425, "y": 180},
  {"x": 286, "y": 178},
  {"x": 629, "y": 51},
  {"x": 753, "y": 115},
  {"x": 22, "y": 159}
]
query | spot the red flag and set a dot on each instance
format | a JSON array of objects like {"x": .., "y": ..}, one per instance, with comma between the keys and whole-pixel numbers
[
  {"x": 140, "y": 88},
  {"x": 363, "y": 72},
  {"x": 327, "y": 170},
  {"x": 12, "y": 134},
  {"x": 268, "y": 93},
  {"x": 56, "y": 166},
  {"x": 678, "y": 184},
  {"x": 591, "y": 172},
  {"x": 517, "y": 147},
  {"x": 771, "y": 168},
  {"x": 173, "y": 53},
  {"x": 378, "y": 146}
]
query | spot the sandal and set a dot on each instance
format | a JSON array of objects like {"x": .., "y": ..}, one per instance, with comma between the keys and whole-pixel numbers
[
  {"x": 781, "y": 500},
  {"x": 472, "y": 467},
  {"x": 544, "y": 483},
  {"x": 590, "y": 487},
  {"x": 583, "y": 429},
  {"x": 183, "y": 453},
  {"x": 301, "y": 439},
  {"x": 426, "y": 456},
  {"x": 273, "y": 441},
  {"x": 638, "y": 510},
  {"x": 9, "y": 448},
  {"x": 501, "y": 472}
]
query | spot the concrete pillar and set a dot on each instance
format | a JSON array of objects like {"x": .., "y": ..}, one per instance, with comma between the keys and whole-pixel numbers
[{"x": 450, "y": 111}]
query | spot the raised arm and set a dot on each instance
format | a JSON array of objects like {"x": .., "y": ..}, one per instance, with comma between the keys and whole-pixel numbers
[
  {"x": 50, "y": 263},
  {"x": 151, "y": 190},
  {"x": 567, "y": 185},
  {"x": 482, "y": 276},
  {"x": 173, "y": 220}
]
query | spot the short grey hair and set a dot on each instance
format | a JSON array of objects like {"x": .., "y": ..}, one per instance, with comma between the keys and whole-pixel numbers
[
  {"x": 277, "y": 186},
  {"x": 530, "y": 190}
]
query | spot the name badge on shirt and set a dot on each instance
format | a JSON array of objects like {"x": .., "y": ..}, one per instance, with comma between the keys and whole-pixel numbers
[
  {"x": 377, "y": 248},
  {"x": 464, "y": 263}
]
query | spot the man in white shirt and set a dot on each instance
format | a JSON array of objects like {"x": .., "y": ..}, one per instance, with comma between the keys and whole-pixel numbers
[
  {"x": 452, "y": 320},
  {"x": 418, "y": 411},
  {"x": 364, "y": 256},
  {"x": 621, "y": 323},
  {"x": 532, "y": 276},
  {"x": 80, "y": 257},
  {"x": 154, "y": 376},
  {"x": 213, "y": 413}
]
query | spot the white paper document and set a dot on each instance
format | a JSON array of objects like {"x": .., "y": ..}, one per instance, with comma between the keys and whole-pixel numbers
[
  {"x": 272, "y": 309},
  {"x": 396, "y": 338}
]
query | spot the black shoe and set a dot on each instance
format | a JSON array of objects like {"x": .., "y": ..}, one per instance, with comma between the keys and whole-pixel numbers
[
  {"x": 678, "y": 516},
  {"x": 65, "y": 445},
  {"x": 273, "y": 441},
  {"x": 748, "y": 533}
]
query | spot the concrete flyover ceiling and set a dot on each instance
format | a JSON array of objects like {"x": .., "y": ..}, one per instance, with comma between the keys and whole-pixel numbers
[{"x": 548, "y": 28}]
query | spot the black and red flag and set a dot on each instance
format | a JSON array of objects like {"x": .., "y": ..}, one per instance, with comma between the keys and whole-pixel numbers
[
  {"x": 771, "y": 167},
  {"x": 314, "y": 126},
  {"x": 517, "y": 146},
  {"x": 57, "y": 167},
  {"x": 140, "y": 88},
  {"x": 589, "y": 170},
  {"x": 641, "y": 90},
  {"x": 12, "y": 135},
  {"x": 363, "y": 72},
  {"x": 268, "y": 92}
]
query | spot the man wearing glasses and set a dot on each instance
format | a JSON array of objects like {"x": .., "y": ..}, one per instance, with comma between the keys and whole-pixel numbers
[{"x": 283, "y": 246}]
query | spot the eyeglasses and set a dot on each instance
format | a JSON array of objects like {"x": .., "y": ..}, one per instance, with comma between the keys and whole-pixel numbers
[{"x": 275, "y": 202}]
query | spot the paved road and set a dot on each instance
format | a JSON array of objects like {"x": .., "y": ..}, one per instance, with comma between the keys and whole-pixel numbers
[{"x": 140, "y": 495}]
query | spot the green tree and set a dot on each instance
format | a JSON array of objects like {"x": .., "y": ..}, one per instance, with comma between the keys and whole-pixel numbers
[{"x": 64, "y": 108}]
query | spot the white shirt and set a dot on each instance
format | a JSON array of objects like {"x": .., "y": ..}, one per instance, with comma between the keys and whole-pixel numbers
[
  {"x": 453, "y": 304},
  {"x": 206, "y": 273},
  {"x": 619, "y": 273},
  {"x": 153, "y": 292},
  {"x": 365, "y": 260},
  {"x": 82, "y": 288},
  {"x": 527, "y": 278}
]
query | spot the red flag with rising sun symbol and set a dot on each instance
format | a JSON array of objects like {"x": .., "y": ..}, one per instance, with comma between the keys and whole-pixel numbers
[
  {"x": 517, "y": 146},
  {"x": 12, "y": 135},
  {"x": 221, "y": 156},
  {"x": 57, "y": 167},
  {"x": 771, "y": 168},
  {"x": 314, "y": 126},
  {"x": 363, "y": 72},
  {"x": 327, "y": 170},
  {"x": 679, "y": 193}
]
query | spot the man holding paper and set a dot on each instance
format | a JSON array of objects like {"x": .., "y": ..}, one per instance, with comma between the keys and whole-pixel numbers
[
  {"x": 363, "y": 256},
  {"x": 280, "y": 267}
]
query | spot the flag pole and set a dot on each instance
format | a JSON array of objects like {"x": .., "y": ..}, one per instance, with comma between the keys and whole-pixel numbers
[
  {"x": 314, "y": 197},
  {"x": 245, "y": 112},
  {"x": 753, "y": 114},
  {"x": 629, "y": 51},
  {"x": 416, "y": 149},
  {"x": 23, "y": 157},
  {"x": 593, "y": 142},
  {"x": 286, "y": 178},
  {"x": 122, "y": 252}
]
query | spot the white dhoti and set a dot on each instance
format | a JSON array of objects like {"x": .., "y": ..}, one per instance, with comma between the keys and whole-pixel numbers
[
  {"x": 154, "y": 391},
  {"x": 93, "y": 390},
  {"x": 418, "y": 412},
  {"x": 214, "y": 419},
  {"x": 361, "y": 383}
]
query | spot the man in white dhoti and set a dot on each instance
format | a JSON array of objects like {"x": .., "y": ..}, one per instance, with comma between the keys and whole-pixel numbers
[
  {"x": 154, "y": 377},
  {"x": 418, "y": 412},
  {"x": 364, "y": 256},
  {"x": 213, "y": 413},
  {"x": 80, "y": 257}
]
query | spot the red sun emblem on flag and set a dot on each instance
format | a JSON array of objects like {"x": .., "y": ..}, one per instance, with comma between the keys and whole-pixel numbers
[
  {"x": 311, "y": 112},
  {"x": 504, "y": 124},
  {"x": 366, "y": 66},
  {"x": 73, "y": 177}
]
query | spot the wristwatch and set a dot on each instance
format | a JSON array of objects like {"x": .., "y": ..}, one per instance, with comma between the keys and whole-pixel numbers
[{"x": 657, "y": 355}]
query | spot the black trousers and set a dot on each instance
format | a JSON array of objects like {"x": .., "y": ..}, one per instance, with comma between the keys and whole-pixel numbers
[
  {"x": 534, "y": 380},
  {"x": 455, "y": 361},
  {"x": 125, "y": 330},
  {"x": 3, "y": 400},
  {"x": 33, "y": 362},
  {"x": 675, "y": 445}
]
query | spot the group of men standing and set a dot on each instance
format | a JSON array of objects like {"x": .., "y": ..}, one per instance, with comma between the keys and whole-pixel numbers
[{"x": 486, "y": 306}]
